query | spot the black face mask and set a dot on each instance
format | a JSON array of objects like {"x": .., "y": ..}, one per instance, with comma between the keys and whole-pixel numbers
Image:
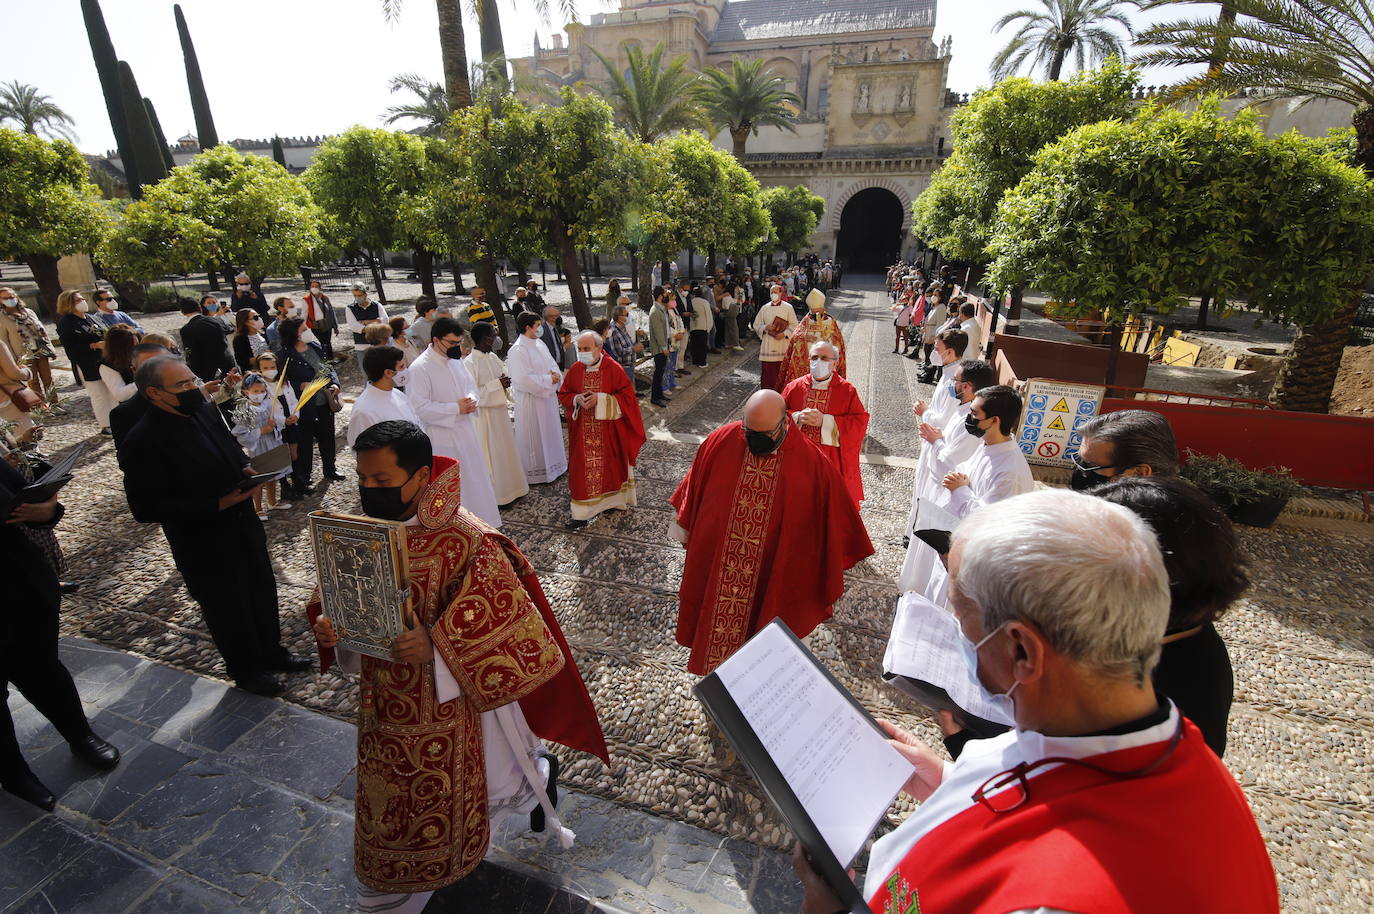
[
  {"x": 385, "y": 502},
  {"x": 455, "y": 351},
  {"x": 1082, "y": 480},
  {"x": 763, "y": 443},
  {"x": 971, "y": 426},
  {"x": 190, "y": 401}
]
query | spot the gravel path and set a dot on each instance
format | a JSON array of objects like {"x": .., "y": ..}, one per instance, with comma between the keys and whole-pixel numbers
[{"x": 1301, "y": 641}]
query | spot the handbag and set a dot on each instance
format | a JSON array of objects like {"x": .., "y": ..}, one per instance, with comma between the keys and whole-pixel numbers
[
  {"x": 23, "y": 399},
  {"x": 335, "y": 401}
]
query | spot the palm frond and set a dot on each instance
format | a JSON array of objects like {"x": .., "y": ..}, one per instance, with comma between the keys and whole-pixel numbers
[
  {"x": 34, "y": 111},
  {"x": 1077, "y": 29},
  {"x": 652, "y": 100}
]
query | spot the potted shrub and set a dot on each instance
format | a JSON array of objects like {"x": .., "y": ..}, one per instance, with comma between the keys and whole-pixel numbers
[{"x": 1254, "y": 497}]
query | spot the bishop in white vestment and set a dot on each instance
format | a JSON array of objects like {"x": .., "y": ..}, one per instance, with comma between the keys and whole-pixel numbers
[
  {"x": 535, "y": 380},
  {"x": 444, "y": 396},
  {"x": 494, "y": 429}
]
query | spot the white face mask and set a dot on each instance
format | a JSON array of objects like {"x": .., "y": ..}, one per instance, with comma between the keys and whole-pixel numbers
[
  {"x": 82, "y": 307},
  {"x": 586, "y": 358},
  {"x": 309, "y": 337},
  {"x": 820, "y": 369},
  {"x": 244, "y": 287},
  {"x": 257, "y": 398},
  {"x": 269, "y": 373},
  {"x": 10, "y": 302},
  {"x": 776, "y": 296},
  {"x": 1002, "y": 701}
]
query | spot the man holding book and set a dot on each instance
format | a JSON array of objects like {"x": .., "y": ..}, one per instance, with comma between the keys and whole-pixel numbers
[
  {"x": 770, "y": 529},
  {"x": 1104, "y": 798},
  {"x": 774, "y": 325}
]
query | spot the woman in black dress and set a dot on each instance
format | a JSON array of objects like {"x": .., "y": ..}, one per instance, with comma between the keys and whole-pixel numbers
[{"x": 302, "y": 363}]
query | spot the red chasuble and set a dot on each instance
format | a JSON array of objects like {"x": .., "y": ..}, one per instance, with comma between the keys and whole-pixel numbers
[
  {"x": 768, "y": 538},
  {"x": 601, "y": 452},
  {"x": 1181, "y": 838},
  {"x": 420, "y": 818},
  {"x": 797, "y": 362},
  {"x": 839, "y": 399}
]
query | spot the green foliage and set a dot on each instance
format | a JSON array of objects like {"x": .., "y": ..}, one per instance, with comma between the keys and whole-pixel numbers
[
  {"x": 222, "y": 207},
  {"x": 32, "y": 111},
  {"x": 1229, "y": 482},
  {"x": 996, "y": 136},
  {"x": 430, "y": 106},
  {"x": 161, "y": 299},
  {"x": 704, "y": 199},
  {"x": 363, "y": 179},
  {"x": 49, "y": 205},
  {"x": 152, "y": 167},
  {"x": 206, "y": 134},
  {"x": 746, "y": 98},
  {"x": 794, "y": 213},
  {"x": 1062, "y": 27},
  {"x": 1123, "y": 216},
  {"x": 652, "y": 101}
]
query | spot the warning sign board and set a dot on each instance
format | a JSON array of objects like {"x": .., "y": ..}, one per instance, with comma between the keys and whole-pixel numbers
[{"x": 1054, "y": 412}]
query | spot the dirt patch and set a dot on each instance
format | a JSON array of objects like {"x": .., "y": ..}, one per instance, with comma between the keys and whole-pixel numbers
[{"x": 1354, "y": 394}]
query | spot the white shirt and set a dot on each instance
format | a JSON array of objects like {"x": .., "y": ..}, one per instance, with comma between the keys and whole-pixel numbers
[
  {"x": 974, "y": 331},
  {"x": 375, "y": 405},
  {"x": 996, "y": 472}
]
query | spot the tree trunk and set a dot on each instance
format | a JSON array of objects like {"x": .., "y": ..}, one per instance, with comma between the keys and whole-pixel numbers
[
  {"x": 452, "y": 47},
  {"x": 458, "y": 287},
  {"x": 1202, "y": 313},
  {"x": 634, "y": 271},
  {"x": 424, "y": 266},
  {"x": 710, "y": 260},
  {"x": 646, "y": 281},
  {"x": 739, "y": 139},
  {"x": 213, "y": 279},
  {"x": 493, "y": 45},
  {"x": 376, "y": 277},
  {"x": 691, "y": 263},
  {"x": 1057, "y": 63},
  {"x": 586, "y": 274},
  {"x": 1309, "y": 373},
  {"x": 485, "y": 277},
  {"x": 1224, "y": 18},
  {"x": 44, "y": 267},
  {"x": 567, "y": 255},
  {"x": 523, "y": 272}
]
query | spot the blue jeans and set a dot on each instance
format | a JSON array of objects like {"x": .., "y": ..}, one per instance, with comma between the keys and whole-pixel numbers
[{"x": 670, "y": 376}]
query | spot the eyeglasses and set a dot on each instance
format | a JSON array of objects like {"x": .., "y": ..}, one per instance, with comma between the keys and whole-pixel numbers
[
  {"x": 1089, "y": 468},
  {"x": 1010, "y": 789}
]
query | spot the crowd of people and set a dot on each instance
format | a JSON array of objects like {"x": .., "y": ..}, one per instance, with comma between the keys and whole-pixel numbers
[{"x": 1069, "y": 641}]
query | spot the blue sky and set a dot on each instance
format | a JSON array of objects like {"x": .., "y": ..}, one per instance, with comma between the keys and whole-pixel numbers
[{"x": 303, "y": 67}]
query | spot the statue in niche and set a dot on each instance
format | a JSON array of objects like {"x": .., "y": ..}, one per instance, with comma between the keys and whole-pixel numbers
[
  {"x": 904, "y": 99},
  {"x": 903, "y": 54},
  {"x": 864, "y": 93}
]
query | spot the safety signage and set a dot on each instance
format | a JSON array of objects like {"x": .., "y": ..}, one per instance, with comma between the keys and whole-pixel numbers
[{"x": 1054, "y": 413}]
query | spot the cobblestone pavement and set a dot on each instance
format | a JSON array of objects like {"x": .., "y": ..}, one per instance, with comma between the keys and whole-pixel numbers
[{"x": 1301, "y": 641}]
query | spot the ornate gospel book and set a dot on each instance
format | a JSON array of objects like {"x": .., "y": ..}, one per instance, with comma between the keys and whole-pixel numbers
[{"x": 364, "y": 581}]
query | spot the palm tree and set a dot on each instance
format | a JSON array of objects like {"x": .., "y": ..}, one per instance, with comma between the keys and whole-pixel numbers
[
  {"x": 650, "y": 101},
  {"x": 451, "y": 48},
  {"x": 1288, "y": 49},
  {"x": 34, "y": 111},
  {"x": 1048, "y": 36},
  {"x": 430, "y": 106},
  {"x": 745, "y": 99}
]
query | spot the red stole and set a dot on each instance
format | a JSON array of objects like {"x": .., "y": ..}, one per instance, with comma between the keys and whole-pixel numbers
[
  {"x": 1179, "y": 839},
  {"x": 797, "y": 362},
  {"x": 769, "y": 537},
  {"x": 840, "y": 399},
  {"x": 601, "y": 452}
]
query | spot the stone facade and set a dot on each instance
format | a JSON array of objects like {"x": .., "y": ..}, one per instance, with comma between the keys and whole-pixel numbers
[{"x": 870, "y": 74}]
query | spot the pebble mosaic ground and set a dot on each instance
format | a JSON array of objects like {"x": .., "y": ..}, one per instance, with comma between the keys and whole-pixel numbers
[{"x": 1301, "y": 640}]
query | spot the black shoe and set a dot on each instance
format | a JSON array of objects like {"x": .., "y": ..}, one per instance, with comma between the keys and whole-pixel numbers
[
  {"x": 894, "y": 351},
  {"x": 659, "y": 403},
  {"x": 31, "y": 790},
  {"x": 335, "y": 475},
  {"x": 537, "y": 814},
  {"x": 913, "y": 357},
  {"x": 96, "y": 752},
  {"x": 305, "y": 490},
  {"x": 291, "y": 663},
  {"x": 259, "y": 684},
  {"x": 575, "y": 524},
  {"x": 68, "y": 586}
]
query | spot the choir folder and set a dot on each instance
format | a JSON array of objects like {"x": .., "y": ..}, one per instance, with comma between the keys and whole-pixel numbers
[{"x": 820, "y": 758}]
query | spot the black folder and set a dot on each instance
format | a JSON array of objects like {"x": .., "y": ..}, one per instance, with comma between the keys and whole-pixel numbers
[
  {"x": 43, "y": 488},
  {"x": 721, "y": 706}
]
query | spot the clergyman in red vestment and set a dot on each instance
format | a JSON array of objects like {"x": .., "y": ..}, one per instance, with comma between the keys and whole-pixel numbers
[
  {"x": 815, "y": 326},
  {"x": 770, "y": 530},
  {"x": 449, "y": 729},
  {"x": 827, "y": 409},
  {"x": 605, "y": 431}
]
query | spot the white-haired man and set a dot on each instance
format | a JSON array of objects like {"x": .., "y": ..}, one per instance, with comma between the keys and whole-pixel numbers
[
  {"x": 1104, "y": 798},
  {"x": 827, "y": 409},
  {"x": 605, "y": 431},
  {"x": 774, "y": 324}
]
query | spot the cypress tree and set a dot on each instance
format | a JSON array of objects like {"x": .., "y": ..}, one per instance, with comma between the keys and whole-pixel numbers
[
  {"x": 278, "y": 153},
  {"x": 141, "y": 136},
  {"x": 200, "y": 102},
  {"x": 107, "y": 68},
  {"x": 161, "y": 137}
]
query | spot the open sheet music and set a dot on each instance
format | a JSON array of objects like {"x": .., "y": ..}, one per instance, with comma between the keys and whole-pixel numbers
[{"x": 819, "y": 757}]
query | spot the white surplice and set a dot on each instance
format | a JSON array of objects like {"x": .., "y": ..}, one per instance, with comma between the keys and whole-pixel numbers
[
  {"x": 494, "y": 429},
  {"x": 538, "y": 433},
  {"x": 937, "y": 459},
  {"x": 376, "y": 405},
  {"x": 996, "y": 472},
  {"x": 435, "y": 385}
]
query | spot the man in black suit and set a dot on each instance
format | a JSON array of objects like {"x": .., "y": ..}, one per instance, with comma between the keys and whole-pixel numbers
[
  {"x": 548, "y": 332},
  {"x": 203, "y": 339},
  {"x": 126, "y": 415},
  {"x": 183, "y": 470},
  {"x": 28, "y": 646}
]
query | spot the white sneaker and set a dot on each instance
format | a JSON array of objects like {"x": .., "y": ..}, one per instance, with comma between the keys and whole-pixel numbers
[
  {"x": 263, "y": 517},
  {"x": 280, "y": 506}
]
